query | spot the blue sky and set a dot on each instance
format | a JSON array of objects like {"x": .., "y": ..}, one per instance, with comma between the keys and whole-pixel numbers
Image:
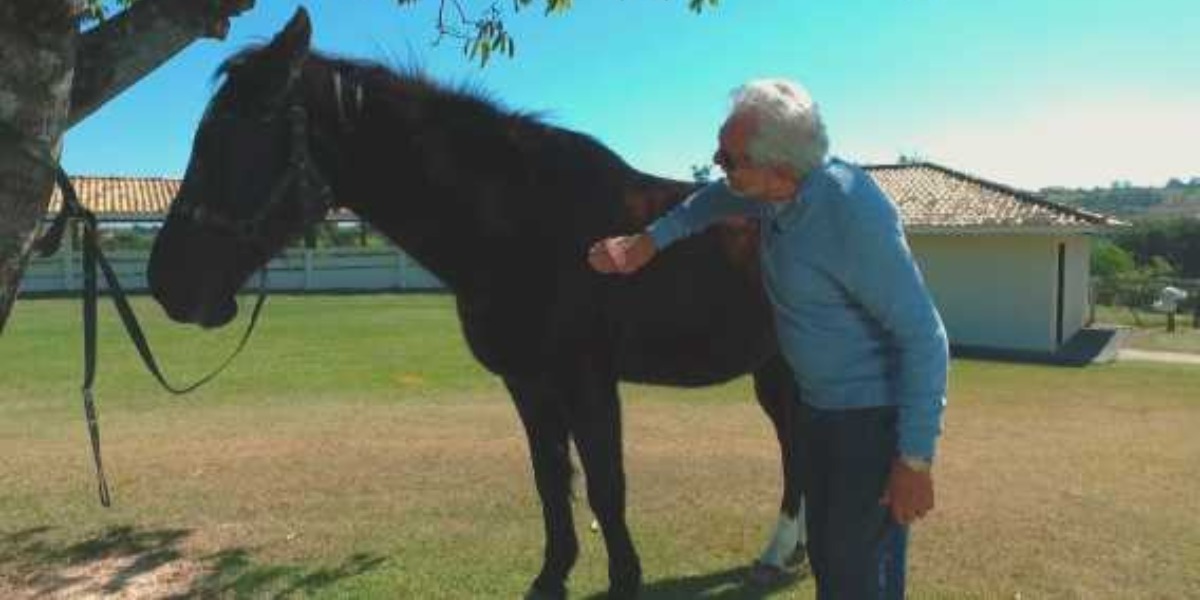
[{"x": 1026, "y": 92}]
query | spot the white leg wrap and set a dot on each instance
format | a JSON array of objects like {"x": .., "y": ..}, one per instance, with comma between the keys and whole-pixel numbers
[{"x": 788, "y": 533}]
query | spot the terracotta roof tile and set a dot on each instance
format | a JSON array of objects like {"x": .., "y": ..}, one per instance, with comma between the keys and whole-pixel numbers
[
  {"x": 132, "y": 198},
  {"x": 927, "y": 195},
  {"x": 930, "y": 195},
  {"x": 117, "y": 198}
]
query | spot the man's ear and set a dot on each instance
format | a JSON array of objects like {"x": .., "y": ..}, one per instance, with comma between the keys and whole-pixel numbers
[{"x": 292, "y": 43}]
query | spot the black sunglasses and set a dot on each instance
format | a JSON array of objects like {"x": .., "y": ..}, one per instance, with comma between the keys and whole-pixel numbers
[{"x": 722, "y": 158}]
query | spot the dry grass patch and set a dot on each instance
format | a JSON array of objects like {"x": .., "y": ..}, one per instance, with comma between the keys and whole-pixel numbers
[
  {"x": 1044, "y": 491},
  {"x": 1077, "y": 485},
  {"x": 349, "y": 480},
  {"x": 1064, "y": 483},
  {"x": 442, "y": 484}
]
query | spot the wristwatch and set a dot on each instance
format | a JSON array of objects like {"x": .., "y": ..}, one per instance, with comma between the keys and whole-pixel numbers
[{"x": 917, "y": 463}]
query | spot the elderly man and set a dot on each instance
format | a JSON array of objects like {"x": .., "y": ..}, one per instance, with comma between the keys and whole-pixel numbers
[{"x": 854, "y": 321}]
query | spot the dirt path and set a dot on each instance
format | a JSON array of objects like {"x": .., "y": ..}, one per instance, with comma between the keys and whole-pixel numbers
[{"x": 1155, "y": 356}]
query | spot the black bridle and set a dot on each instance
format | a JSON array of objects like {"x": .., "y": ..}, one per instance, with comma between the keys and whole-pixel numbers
[
  {"x": 307, "y": 184},
  {"x": 311, "y": 189}
]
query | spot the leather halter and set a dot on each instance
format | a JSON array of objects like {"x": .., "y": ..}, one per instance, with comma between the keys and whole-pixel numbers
[{"x": 302, "y": 177}]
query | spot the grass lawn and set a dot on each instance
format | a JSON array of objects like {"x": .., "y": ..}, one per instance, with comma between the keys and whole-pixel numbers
[
  {"x": 355, "y": 450},
  {"x": 1149, "y": 329}
]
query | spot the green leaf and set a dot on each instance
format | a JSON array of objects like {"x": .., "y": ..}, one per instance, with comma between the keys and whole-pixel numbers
[
  {"x": 553, "y": 6},
  {"x": 490, "y": 36},
  {"x": 486, "y": 54}
]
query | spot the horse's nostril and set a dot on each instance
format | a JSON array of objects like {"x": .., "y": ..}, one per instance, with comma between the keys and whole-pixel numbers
[
  {"x": 162, "y": 277},
  {"x": 218, "y": 316}
]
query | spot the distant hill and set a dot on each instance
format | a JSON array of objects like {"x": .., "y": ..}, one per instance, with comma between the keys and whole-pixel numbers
[{"x": 1176, "y": 199}]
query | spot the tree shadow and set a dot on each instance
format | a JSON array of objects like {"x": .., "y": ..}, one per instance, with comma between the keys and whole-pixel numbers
[
  {"x": 233, "y": 573},
  {"x": 35, "y": 562},
  {"x": 729, "y": 584}
]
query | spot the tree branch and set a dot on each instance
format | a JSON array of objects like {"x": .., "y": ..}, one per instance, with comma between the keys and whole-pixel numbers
[{"x": 123, "y": 49}]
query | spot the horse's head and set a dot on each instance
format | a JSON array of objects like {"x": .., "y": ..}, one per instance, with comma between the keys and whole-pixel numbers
[{"x": 250, "y": 186}]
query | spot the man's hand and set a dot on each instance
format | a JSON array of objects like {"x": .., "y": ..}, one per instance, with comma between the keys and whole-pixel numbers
[
  {"x": 624, "y": 255},
  {"x": 909, "y": 493}
]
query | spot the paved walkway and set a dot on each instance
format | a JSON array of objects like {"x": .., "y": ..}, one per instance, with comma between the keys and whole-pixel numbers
[{"x": 1152, "y": 356}]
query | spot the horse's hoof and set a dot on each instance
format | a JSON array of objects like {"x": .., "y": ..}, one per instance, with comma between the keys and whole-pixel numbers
[
  {"x": 538, "y": 593},
  {"x": 766, "y": 575},
  {"x": 799, "y": 558},
  {"x": 625, "y": 592}
]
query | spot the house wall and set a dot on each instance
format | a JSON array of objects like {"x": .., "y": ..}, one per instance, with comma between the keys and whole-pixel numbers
[
  {"x": 1078, "y": 283},
  {"x": 1000, "y": 291}
]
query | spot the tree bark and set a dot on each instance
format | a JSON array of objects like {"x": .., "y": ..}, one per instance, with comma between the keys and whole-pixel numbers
[
  {"x": 37, "y": 49},
  {"x": 127, "y": 47},
  {"x": 53, "y": 78}
]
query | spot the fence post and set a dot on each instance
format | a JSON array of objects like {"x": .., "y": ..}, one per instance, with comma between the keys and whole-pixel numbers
[
  {"x": 308, "y": 268},
  {"x": 68, "y": 269},
  {"x": 400, "y": 259}
]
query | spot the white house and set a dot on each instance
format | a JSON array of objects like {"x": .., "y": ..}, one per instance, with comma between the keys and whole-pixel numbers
[{"x": 1008, "y": 270}]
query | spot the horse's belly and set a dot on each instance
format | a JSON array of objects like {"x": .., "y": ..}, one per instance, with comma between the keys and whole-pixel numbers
[{"x": 697, "y": 316}]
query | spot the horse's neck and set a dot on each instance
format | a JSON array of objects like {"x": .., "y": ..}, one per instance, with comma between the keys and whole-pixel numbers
[
  {"x": 432, "y": 216},
  {"x": 421, "y": 184}
]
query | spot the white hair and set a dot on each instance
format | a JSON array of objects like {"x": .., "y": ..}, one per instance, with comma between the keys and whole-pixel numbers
[{"x": 788, "y": 128}]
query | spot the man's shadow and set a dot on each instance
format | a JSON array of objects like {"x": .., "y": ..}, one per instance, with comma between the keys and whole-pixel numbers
[{"x": 729, "y": 584}]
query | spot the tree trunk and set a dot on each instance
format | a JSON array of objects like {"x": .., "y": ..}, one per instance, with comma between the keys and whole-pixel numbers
[
  {"x": 37, "y": 49},
  {"x": 52, "y": 78}
]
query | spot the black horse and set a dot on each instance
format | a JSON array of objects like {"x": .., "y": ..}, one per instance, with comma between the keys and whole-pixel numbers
[{"x": 502, "y": 208}]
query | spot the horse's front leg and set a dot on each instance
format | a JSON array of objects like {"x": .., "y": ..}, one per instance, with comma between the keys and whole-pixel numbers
[
  {"x": 776, "y": 391},
  {"x": 594, "y": 414},
  {"x": 542, "y": 413}
]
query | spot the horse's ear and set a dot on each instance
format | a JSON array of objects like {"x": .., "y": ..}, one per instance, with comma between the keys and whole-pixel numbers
[{"x": 292, "y": 43}]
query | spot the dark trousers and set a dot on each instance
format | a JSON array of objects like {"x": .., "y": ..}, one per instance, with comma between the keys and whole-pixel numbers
[{"x": 855, "y": 548}]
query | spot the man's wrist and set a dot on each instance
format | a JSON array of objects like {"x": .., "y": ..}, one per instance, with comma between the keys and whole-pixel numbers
[
  {"x": 648, "y": 239},
  {"x": 920, "y": 464},
  {"x": 657, "y": 234}
]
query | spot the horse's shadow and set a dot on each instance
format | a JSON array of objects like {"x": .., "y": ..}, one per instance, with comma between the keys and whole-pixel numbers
[
  {"x": 35, "y": 562},
  {"x": 729, "y": 584}
]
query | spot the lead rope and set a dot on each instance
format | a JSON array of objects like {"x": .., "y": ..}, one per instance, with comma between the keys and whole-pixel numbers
[{"x": 93, "y": 256}]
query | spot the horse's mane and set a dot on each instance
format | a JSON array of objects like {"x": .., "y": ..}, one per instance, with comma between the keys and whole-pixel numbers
[
  {"x": 413, "y": 79},
  {"x": 478, "y": 145}
]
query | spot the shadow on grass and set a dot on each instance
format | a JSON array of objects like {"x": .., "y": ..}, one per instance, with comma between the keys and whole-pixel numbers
[
  {"x": 234, "y": 574},
  {"x": 730, "y": 584},
  {"x": 34, "y": 563}
]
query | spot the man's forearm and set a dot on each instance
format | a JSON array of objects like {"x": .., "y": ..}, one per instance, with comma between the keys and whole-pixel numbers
[
  {"x": 922, "y": 392},
  {"x": 705, "y": 207}
]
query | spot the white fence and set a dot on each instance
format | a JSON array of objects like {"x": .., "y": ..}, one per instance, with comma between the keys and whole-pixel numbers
[{"x": 324, "y": 269}]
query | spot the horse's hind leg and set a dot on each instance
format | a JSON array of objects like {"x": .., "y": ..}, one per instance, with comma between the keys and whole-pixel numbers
[
  {"x": 541, "y": 410},
  {"x": 777, "y": 394},
  {"x": 595, "y": 418}
]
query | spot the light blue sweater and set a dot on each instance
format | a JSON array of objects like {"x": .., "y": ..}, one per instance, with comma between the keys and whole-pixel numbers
[{"x": 854, "y": 319}]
